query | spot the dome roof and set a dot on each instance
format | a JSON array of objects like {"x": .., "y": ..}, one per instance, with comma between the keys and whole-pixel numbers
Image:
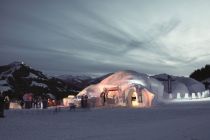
[
  {"x": 124, "y": 79},
  {"x": 180, "y": 84}
]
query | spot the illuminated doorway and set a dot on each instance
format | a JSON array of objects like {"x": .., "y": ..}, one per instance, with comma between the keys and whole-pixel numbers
[{"x": 132, "y": 98}]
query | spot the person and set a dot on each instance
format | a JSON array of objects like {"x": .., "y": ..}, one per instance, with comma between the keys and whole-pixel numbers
[
  {"x": 35, "y": 102},
  {"x": 104, "y": 96},
  {"x": 82, "y": 101},
  {"x": 86, "y": 101},
  {"x": 44, "y": 102},
  {"x": 1, "y": 106},
  {"x": 22, "y": 103},
  {"x": 6, "y": 102},
  {"x": 72, "y": 106}
]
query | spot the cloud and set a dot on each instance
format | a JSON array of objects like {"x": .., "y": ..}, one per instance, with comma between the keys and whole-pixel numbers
[{"x": 94, "y": 37}]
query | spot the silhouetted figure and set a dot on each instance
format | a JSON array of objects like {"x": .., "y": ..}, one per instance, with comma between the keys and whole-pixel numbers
[
  {"x": 86, "y": 101},
  {"x": 6, "y": 102},
  {"x": 1, "y": 106},
  {"x": 82, "y": 102},
  {"x": 139, "y": 91},
  {"x": 72, "y": 106},
  {"x": 35, "y": 102},
  {"x": 44, "y": 102},
  {"x": 57, "y": 106},
  {"x": 104, "y": 96},
  {"x": 28, "y": 100},
  {"x": 22, "y": 103},
  {"x": 169, "y": 80}
]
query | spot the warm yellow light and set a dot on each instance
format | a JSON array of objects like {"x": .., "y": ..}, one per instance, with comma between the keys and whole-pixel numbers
[{"x": 135, "y": 104}]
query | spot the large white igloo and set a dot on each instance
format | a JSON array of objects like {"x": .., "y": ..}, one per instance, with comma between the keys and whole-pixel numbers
[{"x": 125, "y": 88}]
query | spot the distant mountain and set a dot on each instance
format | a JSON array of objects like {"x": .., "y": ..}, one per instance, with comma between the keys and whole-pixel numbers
[
  {"x": 99, "y": 79},
  {"x": 80, "y": 82},
  {"x": 17, "y": 78},
  {"x": 76, "y": 82}
]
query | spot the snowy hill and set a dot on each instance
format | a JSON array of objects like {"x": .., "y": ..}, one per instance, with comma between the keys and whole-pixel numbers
[
  {"x": 99, "y": 79},
  {"x": 17, "y": 79},
  {"x": 76, "y": 79},
  {"x": 79, "y": 82}
]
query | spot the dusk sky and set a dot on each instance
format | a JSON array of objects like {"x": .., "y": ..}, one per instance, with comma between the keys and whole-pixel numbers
[{"x": 102, "y": 36}]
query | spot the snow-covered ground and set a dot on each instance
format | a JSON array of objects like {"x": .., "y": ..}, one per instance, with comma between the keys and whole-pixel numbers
[
  {"x": 189, "y": 100},
  {"x": 189, "y": 121}
]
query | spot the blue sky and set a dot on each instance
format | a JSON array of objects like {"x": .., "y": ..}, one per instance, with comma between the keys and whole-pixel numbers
[{"x": 97, "y": 36}]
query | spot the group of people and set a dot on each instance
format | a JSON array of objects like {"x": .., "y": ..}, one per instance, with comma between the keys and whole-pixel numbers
[
  {"x": 40, "y": 102},
  {"x": 84, "y": 101},
  {"x": 36, "y": 102}
]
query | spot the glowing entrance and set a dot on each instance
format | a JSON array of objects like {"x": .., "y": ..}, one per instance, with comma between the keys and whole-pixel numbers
[
  {"x": 134, "y": 100},
  {"x": 108, "y": 95},
  {"x": 139, "y": 97}
]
